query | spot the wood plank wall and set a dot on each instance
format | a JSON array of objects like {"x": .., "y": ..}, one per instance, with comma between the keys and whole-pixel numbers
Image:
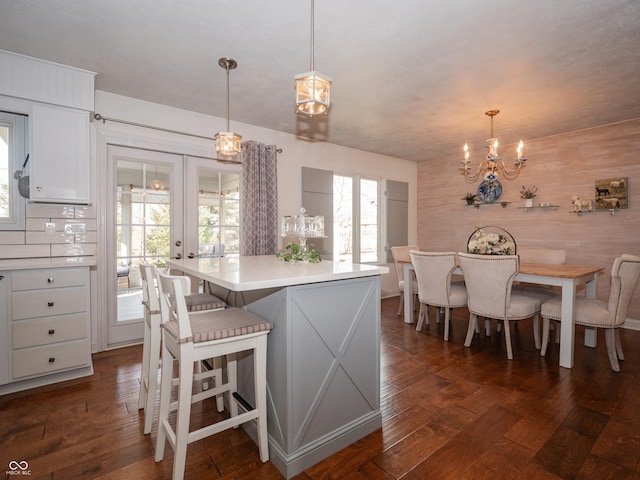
[{"x": 560, "y": 166}]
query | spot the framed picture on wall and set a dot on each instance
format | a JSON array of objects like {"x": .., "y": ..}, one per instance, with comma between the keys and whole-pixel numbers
[{"x": 612, "y": 193}]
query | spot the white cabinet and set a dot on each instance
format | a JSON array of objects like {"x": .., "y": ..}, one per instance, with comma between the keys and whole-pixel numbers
[
  {"x": 47, "y": 327},
  {"x": 59, "y": 154}
]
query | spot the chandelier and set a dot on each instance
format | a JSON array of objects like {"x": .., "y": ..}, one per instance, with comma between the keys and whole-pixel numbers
[
  {"x": 312, "y": 88},
  {"x": 228, "y": 143},
  {"x": 493, "y": 165}
]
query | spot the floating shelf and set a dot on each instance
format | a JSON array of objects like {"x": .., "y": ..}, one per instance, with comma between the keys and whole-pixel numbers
[
  {"x": 478, "y": 205},
  {"x": 554, "y": 207},
  {"x": 612, "y": 211}
]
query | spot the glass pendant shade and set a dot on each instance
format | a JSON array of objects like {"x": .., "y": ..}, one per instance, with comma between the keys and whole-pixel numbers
[
  {"x": 312, "y": 93},
  {"x": 228, "y": 143}
]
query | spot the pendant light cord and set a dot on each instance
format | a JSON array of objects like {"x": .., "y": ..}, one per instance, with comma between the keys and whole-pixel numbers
[
  {"x": 312, "y": 36},
  {"x": 228, "y": 128}
]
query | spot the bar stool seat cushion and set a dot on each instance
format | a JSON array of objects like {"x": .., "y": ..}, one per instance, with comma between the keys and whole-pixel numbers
[
  {"x": 227, "y": 323},
  {"x": 197, "y": 302}
]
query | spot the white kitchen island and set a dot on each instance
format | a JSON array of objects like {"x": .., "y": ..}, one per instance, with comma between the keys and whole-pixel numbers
[{"x": 323, "y": 358}]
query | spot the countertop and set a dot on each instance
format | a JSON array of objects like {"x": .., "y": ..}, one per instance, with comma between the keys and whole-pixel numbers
[
  {"x": 239, "y": 273},
  {"x": 46, "y": 262}
]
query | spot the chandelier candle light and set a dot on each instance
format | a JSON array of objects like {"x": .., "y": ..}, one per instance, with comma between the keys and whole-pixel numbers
[
  {"x": 493, "y": 165},
  {"x": 228, "y": 143},
  {"x": 312, "y": 88}
]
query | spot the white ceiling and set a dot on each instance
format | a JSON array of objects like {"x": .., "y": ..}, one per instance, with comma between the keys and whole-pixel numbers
[{"x": 412, "y": 78}]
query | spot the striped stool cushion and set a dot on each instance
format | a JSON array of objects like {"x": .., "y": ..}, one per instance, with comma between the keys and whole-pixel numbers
[
  {"x": 231, "y": 322},
  {"x": 197, "y": 302}
]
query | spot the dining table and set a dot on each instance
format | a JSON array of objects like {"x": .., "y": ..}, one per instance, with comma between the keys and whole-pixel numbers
[
  {"x": 567, "y": 277},
  {"x": 323, "y": 353}
]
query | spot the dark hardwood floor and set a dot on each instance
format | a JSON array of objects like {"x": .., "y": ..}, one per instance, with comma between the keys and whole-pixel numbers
[{"x": 449, "y": 412}]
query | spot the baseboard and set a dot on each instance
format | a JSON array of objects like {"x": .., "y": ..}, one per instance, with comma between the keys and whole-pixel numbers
[{"x": 632, "y": 324}]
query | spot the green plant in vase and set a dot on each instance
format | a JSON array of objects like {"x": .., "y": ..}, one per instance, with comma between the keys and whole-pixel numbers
[
  {"x": 300, "y": 253},
  {"x": 528, "y": 194},
  {"x": 470, "y": 198}
]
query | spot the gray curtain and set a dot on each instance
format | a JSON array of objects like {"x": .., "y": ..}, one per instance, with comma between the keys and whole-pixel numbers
[{"x": 259, "y": 227}]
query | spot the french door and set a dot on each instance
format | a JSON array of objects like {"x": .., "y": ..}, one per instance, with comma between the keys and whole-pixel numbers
[{"x": 163, "y": 205}]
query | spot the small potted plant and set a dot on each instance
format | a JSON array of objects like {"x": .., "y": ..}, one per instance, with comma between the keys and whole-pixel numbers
[
  {"x": 470, "y": 198},
  {"x": 528, "y": 194}
]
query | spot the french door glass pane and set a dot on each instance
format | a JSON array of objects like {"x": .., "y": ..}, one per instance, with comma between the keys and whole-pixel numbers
[
  {"x": 218, "y": 212},
  {"x": 143, "y": 216}
]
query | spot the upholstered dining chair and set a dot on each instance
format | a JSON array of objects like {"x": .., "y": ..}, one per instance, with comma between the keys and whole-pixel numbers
[
  {"x": 433, "y": 272},
  {"x": 197, "y": 302},
  {"x": 187, "y": 339},
  {"x": 609, "y": 315},
  {"x": 400, "y": 255},
  {"x": 489, "y": 279},
  {"x": 553, "y": 256}
]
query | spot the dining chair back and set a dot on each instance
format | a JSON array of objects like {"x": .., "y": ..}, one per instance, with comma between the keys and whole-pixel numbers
[
  {"x": 189, "y": 338},
  {"x": 196, "y": 302},
  {"x": 433, "y": 272},
  {"x": 400, "y": 255},
  {"x": 610, "y": 314},
  {"x": 489, "y": 279},
  {"x": 555, "y": 256}
]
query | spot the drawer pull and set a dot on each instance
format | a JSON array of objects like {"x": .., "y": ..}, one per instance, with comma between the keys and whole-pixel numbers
[
  {"x": 52, "y": 359},
  {"x": 1, "y": 277},
  {"x": 52, "y": 331},
  {"x": 50, "y": 280},
  {"x": 50, "y": 304}
]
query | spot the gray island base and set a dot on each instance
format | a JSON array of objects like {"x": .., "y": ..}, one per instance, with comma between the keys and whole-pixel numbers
[{"x": 323, "y": 359}]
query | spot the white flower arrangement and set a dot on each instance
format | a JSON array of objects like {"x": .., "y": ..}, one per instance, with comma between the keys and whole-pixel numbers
[{"x": 491, "y": 243}]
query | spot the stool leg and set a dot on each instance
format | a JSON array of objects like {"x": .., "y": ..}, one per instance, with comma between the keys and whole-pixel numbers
[
  {"x": 144, "y": 374},
  {"x": 260, "y": 386},
  {"x": 185, "y": 368},
  {"x": 152, "y": 375},
  {"x": 165, "y": 401},
  {"x": 232, "y": 381},
  {"x": 217, "y": 367}
]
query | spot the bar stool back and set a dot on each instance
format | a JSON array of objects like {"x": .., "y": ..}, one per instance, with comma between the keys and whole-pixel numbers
[
  {"x": 152, "y": 338},
  {"x": 188, "y": 339}
]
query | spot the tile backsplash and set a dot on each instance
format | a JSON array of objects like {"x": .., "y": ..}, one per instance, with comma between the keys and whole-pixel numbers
[{"x": 52, "y": 230}]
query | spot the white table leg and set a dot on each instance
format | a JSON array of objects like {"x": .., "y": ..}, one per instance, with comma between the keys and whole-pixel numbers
[
  {"x": 590, "y": 333},
  {"x": 567, "y": 330},
  {"x": 408, "y": 292}
]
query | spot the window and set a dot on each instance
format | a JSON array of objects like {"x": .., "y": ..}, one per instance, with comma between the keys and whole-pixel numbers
[
  {"x": 356, "y": 219},
  {"x": 218, "y": 212},
  {"x": 13, "y": 139}
]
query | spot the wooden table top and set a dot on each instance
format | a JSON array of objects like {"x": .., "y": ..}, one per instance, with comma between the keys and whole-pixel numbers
[
  {"x": 563, "y": 271},
  {"x": 554, "y": 270}
]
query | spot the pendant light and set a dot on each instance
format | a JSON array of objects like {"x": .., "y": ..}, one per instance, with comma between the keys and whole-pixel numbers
[
  {"x": 312, "y": 88},
  {"x": 228, "y": 143}
]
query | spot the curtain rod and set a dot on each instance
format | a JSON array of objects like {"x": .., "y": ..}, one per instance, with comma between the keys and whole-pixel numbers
[{"x": 99, "y": 117}]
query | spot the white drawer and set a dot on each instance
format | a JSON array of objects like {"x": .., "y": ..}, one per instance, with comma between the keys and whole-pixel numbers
[
  {"x": 43, "y": 303},
  {"x": 48, "y": 278},
  {"x": 48, "y": 359},
  {"x": 43, "y": 331}
]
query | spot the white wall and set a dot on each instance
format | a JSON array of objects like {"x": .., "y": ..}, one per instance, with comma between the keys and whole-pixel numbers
[{"x": 296, "y": 152}]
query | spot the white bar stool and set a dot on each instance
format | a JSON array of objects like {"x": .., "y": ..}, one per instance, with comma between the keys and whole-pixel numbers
[
  {"x": 152, "y": 339},
  {"x": 192, "y": 338}
]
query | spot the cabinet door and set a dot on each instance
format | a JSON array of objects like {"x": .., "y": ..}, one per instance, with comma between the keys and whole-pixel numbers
[{"x": 59, "y": 161}]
